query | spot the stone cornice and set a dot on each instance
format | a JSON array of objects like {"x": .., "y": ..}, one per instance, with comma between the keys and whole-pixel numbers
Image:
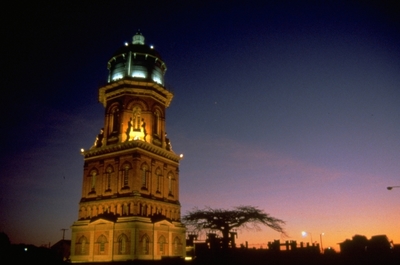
[
  {"x": 135, "y": 87},
  {"x": 117, "y": 197},
  {"x": 128, "y": 146}
]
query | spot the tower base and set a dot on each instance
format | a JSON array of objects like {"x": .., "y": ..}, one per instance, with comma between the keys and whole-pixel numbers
[{"x": 110, "y": 238}]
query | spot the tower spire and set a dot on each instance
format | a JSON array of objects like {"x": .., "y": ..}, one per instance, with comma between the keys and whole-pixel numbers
[{"x": 138, "y": 38}]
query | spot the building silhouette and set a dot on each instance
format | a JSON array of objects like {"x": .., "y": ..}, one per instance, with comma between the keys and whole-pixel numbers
[
  {"x": 130, "y": 207},
  {"x": 360, "y": 245}
]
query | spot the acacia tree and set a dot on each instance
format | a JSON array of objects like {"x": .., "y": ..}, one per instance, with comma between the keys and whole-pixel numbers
[{"x": 225, "y": 220}]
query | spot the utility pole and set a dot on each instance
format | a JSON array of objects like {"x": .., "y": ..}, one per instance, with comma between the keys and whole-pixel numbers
[{"x": 63, "y": 229}]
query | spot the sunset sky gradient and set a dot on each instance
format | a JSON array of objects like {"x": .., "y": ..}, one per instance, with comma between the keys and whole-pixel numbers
[{"x": 290, "y": 106}]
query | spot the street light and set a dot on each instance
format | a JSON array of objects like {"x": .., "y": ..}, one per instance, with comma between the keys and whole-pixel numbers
[
  {"x": 304, "y": 234},
  {"x": 320, "y": 239},
  {"x": 392, "y": 187}
]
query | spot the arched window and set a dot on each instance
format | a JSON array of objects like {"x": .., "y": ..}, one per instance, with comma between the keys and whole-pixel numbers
[
  {"x": 161, "y": 242},
  {"x": 93, "y": 175},
  {"x": 125, "y": 209},
  {"x": 123, "y": 244},
  {"x": 177, "y": 245},
  {"x": 125, "y": 174},
  {"x": 170, "y": 184},
  {"x": 158, "y": 180},
  {"x": 81, "y": 246},
  {"x": 89, "y": 212},
  {"x": 101, "y": 241},
  {"x": 109, "y": 170},
  {"x": 157, "y": 122},
  {"x": 144, "y": 176},
  {"x": 94, "y": 211},
  {"x": 143, "y": 209},
  {"x": 113, "y": 121},
  {"x": 145, "y": 244}
]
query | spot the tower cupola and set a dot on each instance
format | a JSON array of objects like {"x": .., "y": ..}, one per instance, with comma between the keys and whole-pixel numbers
[
  {"x": 135, "y": 96},
  {"x": 138, "y": 38},
  {"x": 137, "y": 60}
]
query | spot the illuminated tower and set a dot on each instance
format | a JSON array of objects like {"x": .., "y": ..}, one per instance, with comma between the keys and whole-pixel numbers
[{"x": 130, "y": 206}]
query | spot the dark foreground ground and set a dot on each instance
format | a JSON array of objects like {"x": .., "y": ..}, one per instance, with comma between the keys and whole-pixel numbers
[
  {"x": 277, "y": 260},
  {"x": 299, "y": 259},
  {"x": 229, "y": 258}
]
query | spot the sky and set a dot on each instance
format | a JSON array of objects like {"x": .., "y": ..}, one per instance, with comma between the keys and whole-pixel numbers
[{"x": 289, "y": 106}]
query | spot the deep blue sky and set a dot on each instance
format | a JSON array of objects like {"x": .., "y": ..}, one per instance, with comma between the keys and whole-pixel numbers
[{"x": 291, "y": 106}]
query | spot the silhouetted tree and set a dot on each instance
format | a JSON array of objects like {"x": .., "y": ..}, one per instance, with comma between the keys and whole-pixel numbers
[{"x": 225, "y": 220}]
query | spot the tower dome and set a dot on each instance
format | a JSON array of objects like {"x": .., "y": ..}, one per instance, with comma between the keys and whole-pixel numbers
[{"x": 136, "y": 60}]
